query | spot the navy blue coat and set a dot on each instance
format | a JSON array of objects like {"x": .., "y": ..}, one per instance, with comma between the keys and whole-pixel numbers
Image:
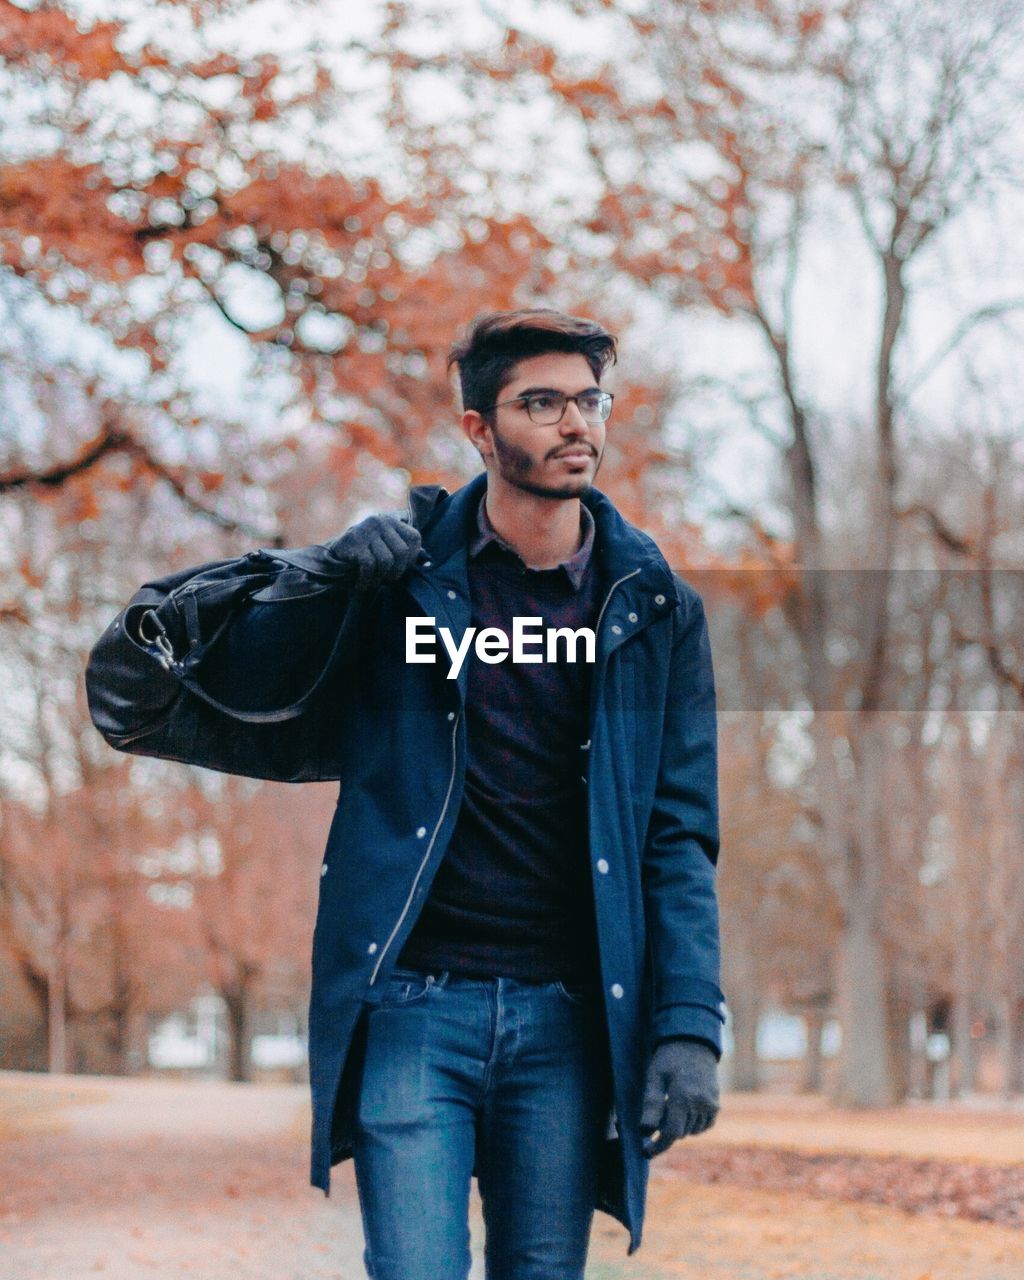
[{"x": 393, "y": 735}]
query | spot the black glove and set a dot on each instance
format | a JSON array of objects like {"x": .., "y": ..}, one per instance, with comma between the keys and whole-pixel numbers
[
  {"x": 681, "y": 1095},
  {"x": 379, "y": 549}
]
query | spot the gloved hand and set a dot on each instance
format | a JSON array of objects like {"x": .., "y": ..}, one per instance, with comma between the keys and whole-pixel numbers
[
  {"x": 681, "y": 1095},
  {"x": 379, "y": 548}
]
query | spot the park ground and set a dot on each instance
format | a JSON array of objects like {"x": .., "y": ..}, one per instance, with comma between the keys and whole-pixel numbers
[{"x": 155, "y": 1179}]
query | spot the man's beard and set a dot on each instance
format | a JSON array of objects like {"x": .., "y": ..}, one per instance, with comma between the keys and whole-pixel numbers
[{"x": 515, "y": 466}]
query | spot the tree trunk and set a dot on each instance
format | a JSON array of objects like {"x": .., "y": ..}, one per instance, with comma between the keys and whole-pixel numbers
[
  {"x": 1013, "y": 1066},
  {"x": 865, "y": 1075},
  {"x": 122, "y": 1027},
  {"x": 898, "y": 1013},
  {"x": 745, "y": 1011},
  {"x": 57, "y": 1012},
  {"x": 136, "y": 1043},
  {"x": 917, "y": 1035},
  {"x": 856, "y": 977},
  {"x": 964, "y": 1058},
  {"x": 938, "y": 1022},
  {"x": 813, "y": 1076},
  {"x": 237, "y": 1006},
  {"x": 865, "y": 1068},
  {"x": 121, "y": 1003}
]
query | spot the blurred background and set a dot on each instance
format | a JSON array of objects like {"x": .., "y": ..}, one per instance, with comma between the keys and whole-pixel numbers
[{"x": 236, "y": 240}]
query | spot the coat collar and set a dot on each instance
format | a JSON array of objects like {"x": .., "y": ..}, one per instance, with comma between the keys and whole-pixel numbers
[{"x": 624, "y": 553}]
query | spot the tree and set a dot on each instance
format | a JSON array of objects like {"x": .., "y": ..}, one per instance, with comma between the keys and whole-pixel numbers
[
  {"x": 207, "y": 189},
  {"x": 705, "y": 180},
  {"x": 80, "y": 924},
  {"x": 250, "y": 866}
]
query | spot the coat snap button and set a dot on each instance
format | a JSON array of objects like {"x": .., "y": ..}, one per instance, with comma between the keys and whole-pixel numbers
[
  {"x": 659, "y": 599},
  {"x": 617, "y": 991},
  {"x": 323, "y": 870},
  {"x": 451, "y": 715},
  {"x": 633, "y": 617},
  {"x": 420, "y": 832},
  {"x": 602, "y": 866},
  {"x": 451, "y": 595},
  {"x": 426, "y": 564},
  {"x": 617, "y": 630},
  {"x": 371, "y": 950}
]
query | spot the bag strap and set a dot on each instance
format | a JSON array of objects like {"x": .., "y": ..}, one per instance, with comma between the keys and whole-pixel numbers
[
  {"x": 315, "y": 561},
  {"x": 160, "y": 645},
  {"x": 278, "y": 714}
]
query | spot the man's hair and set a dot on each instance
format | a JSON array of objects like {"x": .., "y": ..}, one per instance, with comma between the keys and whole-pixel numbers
[{"x": 496, "y": 342}]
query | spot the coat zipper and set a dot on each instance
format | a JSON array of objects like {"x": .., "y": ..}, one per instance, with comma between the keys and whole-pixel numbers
[
  {"x": 611, "y": 589},
  {"x": 597, "y": 632},
  {"x": 426, "y": 858},
  {"x": 447, "y": 800}
]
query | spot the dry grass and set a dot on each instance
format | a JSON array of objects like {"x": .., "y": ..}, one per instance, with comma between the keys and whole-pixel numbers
[
  {"x": 169, "y": 1180},
  {"x": 30, "y": 1106},
  {"x": 985, "y": 1133},
  {"x": 731, "y": 1233}
]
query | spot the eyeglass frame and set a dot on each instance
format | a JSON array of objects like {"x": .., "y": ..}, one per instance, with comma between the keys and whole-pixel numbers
[{"x": 573, "y": 399}]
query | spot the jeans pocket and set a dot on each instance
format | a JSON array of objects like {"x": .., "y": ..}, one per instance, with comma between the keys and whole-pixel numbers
[
  {"x": 573, "y": 994},
  {"x": 405, "y": 986}
]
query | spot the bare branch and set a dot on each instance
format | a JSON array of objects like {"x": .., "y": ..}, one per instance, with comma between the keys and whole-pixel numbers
[
  {"x": 274, "y": 334},
  {"x": 792, "y": 259},
  {"x": 53, "y": 477},
  {"x": 992, "y": 311},
  {"x": 116, "y": 440},
  {"x": 1001, "y": 669},
  {"x": 942, "y": 531}
]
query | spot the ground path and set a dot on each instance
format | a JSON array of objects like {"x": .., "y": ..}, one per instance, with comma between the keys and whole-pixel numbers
[{"x": 158, "y": 1180}]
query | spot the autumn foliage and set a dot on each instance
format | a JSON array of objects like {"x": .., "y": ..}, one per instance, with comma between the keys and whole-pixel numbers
[{"x": 231, "y": 265}]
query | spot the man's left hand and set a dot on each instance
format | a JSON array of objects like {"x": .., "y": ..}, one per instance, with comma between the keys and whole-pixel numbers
[{"x": 681, "y": 1096}]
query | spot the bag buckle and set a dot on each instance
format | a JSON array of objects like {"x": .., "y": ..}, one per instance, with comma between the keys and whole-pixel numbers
[{"x": 165, "y": 656}]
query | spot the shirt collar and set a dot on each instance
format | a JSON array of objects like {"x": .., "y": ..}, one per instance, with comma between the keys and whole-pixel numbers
[{"x": 575, "y": 566}]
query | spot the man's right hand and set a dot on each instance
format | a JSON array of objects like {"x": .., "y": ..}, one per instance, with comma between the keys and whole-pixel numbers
[{"x": 379, "y": 549}]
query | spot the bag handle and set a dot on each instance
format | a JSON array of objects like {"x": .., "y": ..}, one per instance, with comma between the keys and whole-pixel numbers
[
  {"x": 315, "y": 561},
  {"x": 188, "y": 681}
]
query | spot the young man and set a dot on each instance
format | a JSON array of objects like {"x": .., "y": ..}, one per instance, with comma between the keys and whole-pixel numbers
[{"x": 516, "y": 959}]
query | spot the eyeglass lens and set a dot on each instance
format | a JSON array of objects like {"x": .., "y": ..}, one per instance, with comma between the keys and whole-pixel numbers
[{"x": 547, "y": 407}]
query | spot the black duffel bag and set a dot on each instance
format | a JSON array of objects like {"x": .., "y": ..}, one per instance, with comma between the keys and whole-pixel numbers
[{"x": 185, "y": 638}]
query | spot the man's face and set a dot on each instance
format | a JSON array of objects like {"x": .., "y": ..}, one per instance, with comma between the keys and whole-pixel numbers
[{"x": 557, "y": 461}]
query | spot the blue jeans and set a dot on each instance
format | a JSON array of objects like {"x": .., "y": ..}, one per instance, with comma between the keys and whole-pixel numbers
[{"x": 503, "y": 1078}]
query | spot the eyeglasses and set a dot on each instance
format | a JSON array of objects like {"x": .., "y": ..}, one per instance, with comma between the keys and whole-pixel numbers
[{"x": 547, "y": 408}]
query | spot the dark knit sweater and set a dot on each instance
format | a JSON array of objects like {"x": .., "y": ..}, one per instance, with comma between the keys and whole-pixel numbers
[{"x": 513, "y": 895}]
